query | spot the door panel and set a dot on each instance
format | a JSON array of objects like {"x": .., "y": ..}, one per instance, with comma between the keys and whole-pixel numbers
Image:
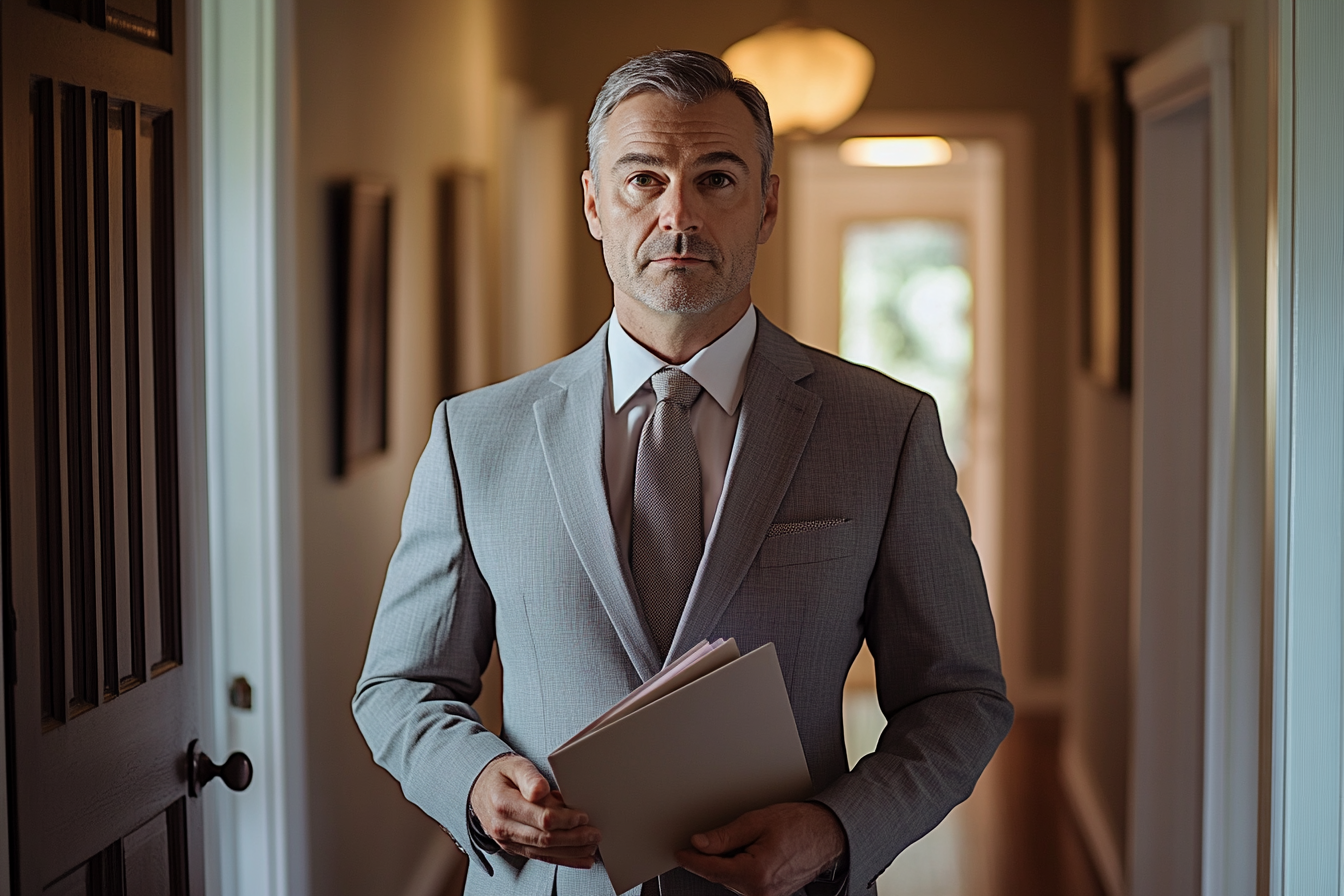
[{"x": 97, "y": 287}]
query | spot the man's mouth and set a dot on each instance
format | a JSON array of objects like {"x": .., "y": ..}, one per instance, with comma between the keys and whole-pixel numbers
[{"x": 679, "y": 260}]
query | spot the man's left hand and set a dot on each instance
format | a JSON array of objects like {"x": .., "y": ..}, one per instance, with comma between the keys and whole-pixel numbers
[{"x": 773, "y": 851}]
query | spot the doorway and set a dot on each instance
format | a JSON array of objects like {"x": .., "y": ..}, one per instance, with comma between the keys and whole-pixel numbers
[{"x": 900, "y": 268}]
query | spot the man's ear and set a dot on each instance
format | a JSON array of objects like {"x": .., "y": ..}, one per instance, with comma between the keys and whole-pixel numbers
[
  {"x": 770, "y": 212},
  {"x": 590, "y": 204}
]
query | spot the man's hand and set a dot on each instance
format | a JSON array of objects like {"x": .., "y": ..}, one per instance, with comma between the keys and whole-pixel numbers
[
  {"x": 517, "y": 807},
  {"x": 773, "y": 851}
]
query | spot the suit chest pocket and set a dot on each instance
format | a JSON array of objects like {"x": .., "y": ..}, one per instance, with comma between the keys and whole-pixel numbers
[{"x": 793, "y": 544}]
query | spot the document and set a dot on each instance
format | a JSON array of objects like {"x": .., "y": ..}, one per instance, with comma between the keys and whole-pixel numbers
[{"x": 710, "y": 737}]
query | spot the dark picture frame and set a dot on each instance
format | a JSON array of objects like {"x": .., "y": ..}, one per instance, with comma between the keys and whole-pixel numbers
[
  {"x": 360, "y": 219},
  {"x": 1105, "y": 128},
  {"x": 461, "y": 196}
]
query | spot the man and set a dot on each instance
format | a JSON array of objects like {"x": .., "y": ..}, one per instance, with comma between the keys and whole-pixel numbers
[{"x": 692, "y": 472}]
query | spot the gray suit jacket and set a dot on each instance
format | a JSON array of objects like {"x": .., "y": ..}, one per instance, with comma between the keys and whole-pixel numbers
[{"x": 507, "y": 539}]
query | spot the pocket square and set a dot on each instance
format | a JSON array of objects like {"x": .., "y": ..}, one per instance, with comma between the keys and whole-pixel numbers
[{"x": 804, "y": 526}]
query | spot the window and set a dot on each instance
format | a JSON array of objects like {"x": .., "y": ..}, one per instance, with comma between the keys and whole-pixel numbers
[{"x": 905, "y": 309}]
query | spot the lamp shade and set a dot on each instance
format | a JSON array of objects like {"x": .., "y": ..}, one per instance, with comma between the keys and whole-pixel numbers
[{"x": 813, "y": 78}]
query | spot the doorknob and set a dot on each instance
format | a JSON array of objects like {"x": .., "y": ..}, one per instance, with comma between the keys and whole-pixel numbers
[{"x": 236, "y": 772}]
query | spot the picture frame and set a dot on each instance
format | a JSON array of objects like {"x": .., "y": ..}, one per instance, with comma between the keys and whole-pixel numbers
[
  {"x": 360, "y": 213},
  {"x": 462, "y": 274},
  {"x": 1105, "y": 129}
]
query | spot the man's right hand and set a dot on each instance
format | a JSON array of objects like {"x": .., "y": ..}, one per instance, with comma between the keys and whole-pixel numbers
[{"x": 517, "y": 807}]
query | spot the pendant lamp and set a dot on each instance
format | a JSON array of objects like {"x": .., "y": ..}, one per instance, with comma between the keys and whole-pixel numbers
[{"x": 814, "y": 78}]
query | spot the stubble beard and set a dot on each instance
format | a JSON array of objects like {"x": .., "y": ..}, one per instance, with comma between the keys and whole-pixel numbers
[{"x": 683, "y": 290}]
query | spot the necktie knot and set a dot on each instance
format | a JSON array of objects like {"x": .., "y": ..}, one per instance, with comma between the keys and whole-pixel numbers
[{"x": 675, "y": 385}]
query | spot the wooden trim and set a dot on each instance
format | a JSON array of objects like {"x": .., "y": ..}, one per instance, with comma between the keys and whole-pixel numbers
[
  {"x": 105, "y": 873},
  {"x": 135, "y": 514},
  {"x": 46, "y": 423},
  {"x": 9, "y": 787},
  {"x": 1197, "y": 68},
  {"x": 1181, "y": 66},
  {"x": 1103, "y": 841},
  {"x": 163, "y": 286},
  {"x": 78, "y": 401},
  {"x": 102, "y": 301},
  {"x": 178, "y": 849}
]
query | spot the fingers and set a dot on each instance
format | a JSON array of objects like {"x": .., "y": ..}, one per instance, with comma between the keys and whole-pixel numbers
[
  {"x": 525, "y": 777},
  {"x": 569, "y": 856},
  {"x": 510, "y": 787},
  {"x": 505, "y": 829},
  {"x": 736, "y": 872},
  {"x": 548, "y": 817},
  {"x": 542, "y": 855},
  {"x": 735, "y": 835},
  {"x": 518, "y": 809},
  {"x": 769, "y": 852},
  {"x": 529, "y": 829}
]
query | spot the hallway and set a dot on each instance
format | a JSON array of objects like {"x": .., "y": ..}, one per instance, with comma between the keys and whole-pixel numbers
[{"x": 470, "y": 125}]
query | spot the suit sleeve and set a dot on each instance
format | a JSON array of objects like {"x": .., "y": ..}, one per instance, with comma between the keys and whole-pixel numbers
[
  {"x": 928, "y": 624},
  {"x": 431, "y": 641}
]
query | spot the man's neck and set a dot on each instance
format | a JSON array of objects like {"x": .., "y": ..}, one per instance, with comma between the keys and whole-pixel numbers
[{"x": 676, "y": 337}]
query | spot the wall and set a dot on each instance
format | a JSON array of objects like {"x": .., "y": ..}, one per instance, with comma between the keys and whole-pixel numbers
[
  {"x": 400, "y": 90},
  {"x": 1097, "y": 738},
  {"x": 955, "y": 55}
]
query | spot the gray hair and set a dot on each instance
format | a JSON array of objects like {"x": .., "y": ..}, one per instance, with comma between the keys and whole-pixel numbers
[{"x": 688, "y": 77}]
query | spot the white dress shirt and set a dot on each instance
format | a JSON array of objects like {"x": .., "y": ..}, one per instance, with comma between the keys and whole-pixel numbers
[{"x": 720, "y": 368}]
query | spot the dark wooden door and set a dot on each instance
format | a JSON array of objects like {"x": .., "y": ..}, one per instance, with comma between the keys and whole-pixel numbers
[{"x": 102, "y": 507}]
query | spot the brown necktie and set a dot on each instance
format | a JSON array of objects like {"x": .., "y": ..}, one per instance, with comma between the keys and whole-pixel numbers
[{"x": 667, "y": 523}]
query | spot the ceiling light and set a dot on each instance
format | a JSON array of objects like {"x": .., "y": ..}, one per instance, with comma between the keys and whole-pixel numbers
[
  {"x": 813, "y": 78},
  {"x": 896, "y": 152}
]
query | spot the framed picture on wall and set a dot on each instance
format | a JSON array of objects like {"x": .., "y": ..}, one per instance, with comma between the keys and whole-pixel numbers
[
  {"x": 1105, "y": 124},
  {"x": 462, "y": 280},
  {"x": 360, "y": 218}
]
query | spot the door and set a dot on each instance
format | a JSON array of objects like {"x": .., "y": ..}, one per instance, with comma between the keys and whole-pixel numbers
[{"x": 103, "y": 448}]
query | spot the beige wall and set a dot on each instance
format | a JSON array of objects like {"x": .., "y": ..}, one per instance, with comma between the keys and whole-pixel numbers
[
  {"x": 1099, "y": 457},
  {"x": 954, "y": 55},
  {"x": 399, "y": 90}
]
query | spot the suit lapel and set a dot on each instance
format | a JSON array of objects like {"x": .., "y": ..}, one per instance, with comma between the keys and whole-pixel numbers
[
  {"x": 775, "y": 424},
  {"x": 569, "y": 422}
]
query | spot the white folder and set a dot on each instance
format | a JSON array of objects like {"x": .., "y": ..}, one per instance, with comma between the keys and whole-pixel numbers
[{"x": 711, "y": 738}]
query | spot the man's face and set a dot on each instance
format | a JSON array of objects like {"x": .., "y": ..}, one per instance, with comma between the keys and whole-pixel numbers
[{"x": 678, "y": 207}]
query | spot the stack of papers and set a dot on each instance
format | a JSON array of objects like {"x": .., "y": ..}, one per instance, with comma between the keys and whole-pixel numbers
[{"x": 708, "y": 738}]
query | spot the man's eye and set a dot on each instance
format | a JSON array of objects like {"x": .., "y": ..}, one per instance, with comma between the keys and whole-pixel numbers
[
  {"x": 642, "y": 180},
  {"x": 718, "y": 180}
]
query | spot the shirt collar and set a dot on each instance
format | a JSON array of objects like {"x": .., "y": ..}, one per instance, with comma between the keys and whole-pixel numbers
[{"x": 720, "y": 367}]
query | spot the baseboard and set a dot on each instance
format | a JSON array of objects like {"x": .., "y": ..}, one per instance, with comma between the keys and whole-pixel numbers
[
  {"x": 440, "y": 865},
  {"x": 1102, "y": 841}
]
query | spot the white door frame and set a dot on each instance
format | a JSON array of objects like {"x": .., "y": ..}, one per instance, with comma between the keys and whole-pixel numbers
[
  {"x": 1182, "y": 725},
  {"x": 257, "y": 840},
  {"x": 1305, "y": 430}
]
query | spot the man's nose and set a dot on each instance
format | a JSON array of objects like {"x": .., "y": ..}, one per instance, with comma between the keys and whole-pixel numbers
[{"x": 680, "y": 208}]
